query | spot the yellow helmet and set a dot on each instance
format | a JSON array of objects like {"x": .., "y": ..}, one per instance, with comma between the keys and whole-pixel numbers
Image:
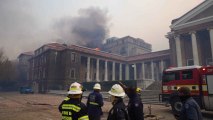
[
  {"x": 117, "y": 90},
  {"x": 75, "y": 88},
  {"x": 138, "y": 90}
]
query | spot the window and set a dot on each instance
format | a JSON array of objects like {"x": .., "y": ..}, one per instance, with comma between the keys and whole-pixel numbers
[
  {"x": 209, "y": 61},
  {"x": 56, "y": 53},
  {"x": 73, "y": 57},
  {"x": 187, "y": 75},
  {"x": 45, "y": 59},
  {"x": 72, "y": 73},
  {"x": 190, "y": 62},
  {"x": 33, "y": 62},
  {"x": 94, "y": 77},
  {"x": 169, "y": 76},
  {"x": 44, "y": 71},
  {"x": 122, "y": 51}
]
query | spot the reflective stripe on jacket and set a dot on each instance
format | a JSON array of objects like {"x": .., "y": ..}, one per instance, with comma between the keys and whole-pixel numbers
[
  {"x": 73, "y": 109},
  {"x": 94, "y": 104}
]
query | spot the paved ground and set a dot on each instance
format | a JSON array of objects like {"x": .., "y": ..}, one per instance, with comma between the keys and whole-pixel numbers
[{"x": 15, "y": 106}]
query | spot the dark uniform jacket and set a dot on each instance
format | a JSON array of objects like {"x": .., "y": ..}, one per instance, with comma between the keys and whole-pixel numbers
[
  {"x": 135, "y": 108},
  {"x": 190, "y": 110},
  {"x": 118, "y": 111},
  {"x": 94, "y": 104},
  {"x": 73, "y": 109}
]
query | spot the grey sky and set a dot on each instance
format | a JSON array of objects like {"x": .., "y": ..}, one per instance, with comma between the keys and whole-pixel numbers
[{"x": 27, "y": 24}]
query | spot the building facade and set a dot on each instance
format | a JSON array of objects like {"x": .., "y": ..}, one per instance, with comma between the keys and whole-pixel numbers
[
  {"x": 191, "y": 37},
  {"x": 23, "y": 68},
  {"x": 56, "y": 66},
  {"x": 127, "y": 46}
]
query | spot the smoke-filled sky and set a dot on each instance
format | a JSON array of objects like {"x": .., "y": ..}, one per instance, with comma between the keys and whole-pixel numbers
[{"x": 27, "y": 24}]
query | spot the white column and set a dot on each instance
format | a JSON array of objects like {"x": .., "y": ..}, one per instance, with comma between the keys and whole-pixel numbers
[
  {"x": 97, "y": 70},
  {"x": 113, "y": 71},
  {"x": 106, "y": 72},
  {"x": 194, "y": 48},
  {"x": 178, "y": 51},
  {"x": 211, "y": 40},
  {"x": 135, "y": 72},
  {"x": 88, "y": 69},
  {"x": 152, "y": 69},
  {"x": 143, "y": 71},
  {"x": 120, "y": 71},
  {"x": 127, "y": 72},
  {"x": 162, "y": 65}
]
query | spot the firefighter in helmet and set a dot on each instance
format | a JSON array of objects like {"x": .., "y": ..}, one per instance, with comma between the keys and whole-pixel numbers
[
  {"x": 138, "y": 91},
  {"x": 135, "y": 105},
  {"x": 94, "y": 103},
  {"x": 72, "y": 108},
  {"x": 118, "y": 111},
  {"x": 190, "y": 109}
]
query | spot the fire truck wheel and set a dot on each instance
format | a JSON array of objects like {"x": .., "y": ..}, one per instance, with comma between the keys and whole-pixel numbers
[{"x": 176, "y": 105}]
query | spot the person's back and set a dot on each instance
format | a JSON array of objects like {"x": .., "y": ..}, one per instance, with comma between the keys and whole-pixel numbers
[
  {"x": 118, "y": 111},
  {"x": 94, "y": 103},
  {"x": 135, "y": 105},
  {"x": 190, "y": 110},
  {"x": 73, "y": 108},
  {"x": 135, "y": 108}
]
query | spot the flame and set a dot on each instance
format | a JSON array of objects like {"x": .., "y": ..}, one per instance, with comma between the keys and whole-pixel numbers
[{"x": 98, "y": 49}]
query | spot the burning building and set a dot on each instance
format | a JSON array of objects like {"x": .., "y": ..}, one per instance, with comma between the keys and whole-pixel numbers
[{"x": 55, "y": 66}]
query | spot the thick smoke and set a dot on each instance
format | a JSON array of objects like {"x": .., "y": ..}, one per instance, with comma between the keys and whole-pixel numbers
[
  {"x": 88, "y": 29},
  {"x": 22, "y": 29},
  {"x": 19, "y": 28}
]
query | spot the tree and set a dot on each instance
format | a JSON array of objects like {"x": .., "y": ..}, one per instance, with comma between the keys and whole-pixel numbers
[{"x": 7, "y": 73}]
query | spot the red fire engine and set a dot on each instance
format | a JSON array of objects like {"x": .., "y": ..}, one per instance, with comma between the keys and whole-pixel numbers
[{"x": 198, "y": 78}]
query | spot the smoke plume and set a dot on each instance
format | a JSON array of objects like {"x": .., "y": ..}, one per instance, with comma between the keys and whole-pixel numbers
[
  {"x": 22, "y": 29},
  {"x": 19, "y": 28},
  {"x": 88, "y": 29}
]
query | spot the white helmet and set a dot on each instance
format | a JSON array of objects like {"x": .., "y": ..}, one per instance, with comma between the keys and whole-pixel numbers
[
  {"x": 97, "y": 86},
  {"x": 75, "y": 88},
  {"x": 117, "y": 90}
]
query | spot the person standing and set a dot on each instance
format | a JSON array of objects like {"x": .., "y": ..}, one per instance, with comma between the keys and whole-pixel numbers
[
  {"x": 190, "y": 109},
  {"x": 135, "y": 105},
  {"x": 71, "y": 107},
  {"x": 118, "y": 111},
  {"x": 94, "y": 103},
  {"x": 138, "y": 91}
]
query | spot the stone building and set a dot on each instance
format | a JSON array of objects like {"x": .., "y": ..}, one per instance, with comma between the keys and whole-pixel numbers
[
  {"x": 191, "y": 36},
  {"x": 55, "y": 66},
  {"x": 127, "y": 46},
  {"x": 23, "y": 68}
]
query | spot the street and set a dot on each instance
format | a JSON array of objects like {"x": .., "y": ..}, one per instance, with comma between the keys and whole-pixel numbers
[{"x": 15, "y": 106}]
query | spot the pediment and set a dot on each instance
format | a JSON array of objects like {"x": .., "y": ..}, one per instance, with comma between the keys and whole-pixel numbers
[{"x": 200, "y": 14}]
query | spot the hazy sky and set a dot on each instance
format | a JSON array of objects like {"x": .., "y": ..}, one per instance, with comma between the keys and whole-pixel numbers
[{"x": 27, "y": 24}]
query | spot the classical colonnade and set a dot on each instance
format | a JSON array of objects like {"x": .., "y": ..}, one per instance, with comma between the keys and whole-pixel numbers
[
  {"x": 195, "y": 51},
  {"x": 126, "y": 71}
]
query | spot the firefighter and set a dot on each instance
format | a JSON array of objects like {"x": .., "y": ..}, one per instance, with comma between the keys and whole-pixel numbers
[
  {"x": 118, "y": 111},
  {"x": 138, "y": 91},
  {"x": 190, "y": 109},
  {"x": 94, "y": 103},
  {"x": 72, "y": 108},
  {"x": 135, "y": 105}
]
